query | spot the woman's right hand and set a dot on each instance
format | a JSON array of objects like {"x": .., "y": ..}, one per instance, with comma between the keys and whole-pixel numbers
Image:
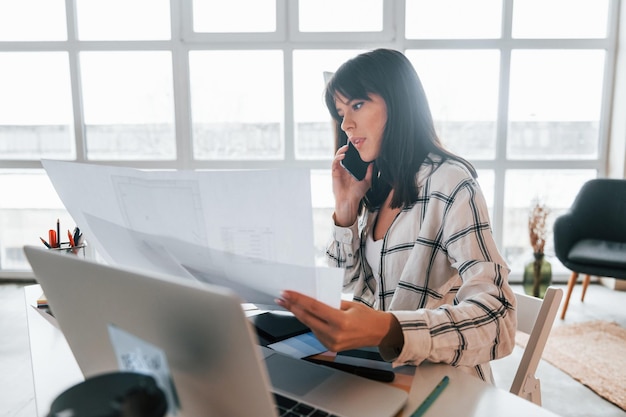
[
  {"x": 352, "y": 326},
  {"x": 347, "y": 190}
]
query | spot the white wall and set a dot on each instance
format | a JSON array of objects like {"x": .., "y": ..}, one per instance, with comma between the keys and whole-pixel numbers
[{"x": 617, "y": 138}]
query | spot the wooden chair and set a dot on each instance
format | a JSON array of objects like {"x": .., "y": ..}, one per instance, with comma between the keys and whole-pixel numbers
[{"x": 535, "y": 317}]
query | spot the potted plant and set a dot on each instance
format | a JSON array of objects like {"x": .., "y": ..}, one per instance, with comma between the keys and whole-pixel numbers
[{"x": 537, "y": 273}]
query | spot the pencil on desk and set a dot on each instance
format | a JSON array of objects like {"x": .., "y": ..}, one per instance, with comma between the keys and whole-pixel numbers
[{"x": 431, "y": 397}]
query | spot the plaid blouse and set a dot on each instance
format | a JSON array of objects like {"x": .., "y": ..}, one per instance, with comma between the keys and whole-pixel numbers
[{"x": 441, "y": 274}]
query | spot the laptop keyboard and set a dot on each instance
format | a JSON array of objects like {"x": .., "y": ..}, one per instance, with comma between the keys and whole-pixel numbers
[{"x": 291, "y": 408}]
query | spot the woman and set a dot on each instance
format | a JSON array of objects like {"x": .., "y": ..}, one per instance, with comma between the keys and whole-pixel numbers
[{"x": 414, "y": 235}]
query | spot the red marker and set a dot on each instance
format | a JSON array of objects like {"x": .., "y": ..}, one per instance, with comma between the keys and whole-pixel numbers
[
  {"x": 52, "y": 238},
  {"x": 69, "y": 235}
]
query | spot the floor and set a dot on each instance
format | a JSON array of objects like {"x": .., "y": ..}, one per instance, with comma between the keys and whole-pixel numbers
[{"x": 560, "y": 393}]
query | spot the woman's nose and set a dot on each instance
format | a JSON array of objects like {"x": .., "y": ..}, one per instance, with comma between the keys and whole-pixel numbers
[{"x": 346, "y": 123}]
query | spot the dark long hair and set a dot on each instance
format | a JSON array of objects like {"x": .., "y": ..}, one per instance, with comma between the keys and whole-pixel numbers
[{"x": 409, "y": 135}]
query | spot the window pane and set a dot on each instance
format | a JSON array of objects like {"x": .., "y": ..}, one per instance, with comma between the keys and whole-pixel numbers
[
  {"x": 128, "y": 105},
  {"x": 218, "y": 16},
  {"x": 36, "y": 118},
  {"x": 314, "y": 134},
  {"x": 462, "y": 90},
  {"x": 450, "y": 19},
  {"x": 340, "y": 15},
  {"x": 26, "y": 216},
  {"x": 323, "y": 202},
  {"x": 123, "y": 19},
  {"x": 576, "y": 18},
  {"x": 32, "y": 20},
  {"x": 237, "y": 104},
  {"x": 486, "y": 180},
  {"x": 556, "y": 189},
  {"x": 555, "y": 104}
]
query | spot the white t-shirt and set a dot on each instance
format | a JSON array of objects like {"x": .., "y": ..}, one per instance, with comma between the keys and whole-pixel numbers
[{"x": 372, "y": 255}]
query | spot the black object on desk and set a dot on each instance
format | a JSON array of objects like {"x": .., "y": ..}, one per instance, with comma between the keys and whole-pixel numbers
[
  {"x": 274, "y": 327},
  {"x": 117, "y": 394},
  {"x": 370, "y": 373},
  {"x": 363, "y": 353}
]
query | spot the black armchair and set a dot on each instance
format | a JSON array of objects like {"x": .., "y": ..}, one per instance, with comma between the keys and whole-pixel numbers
[{"x": 590, "y": 238}]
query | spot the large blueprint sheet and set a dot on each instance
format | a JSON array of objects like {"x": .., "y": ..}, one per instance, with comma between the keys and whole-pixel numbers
[{"x": 249, "y": 230}]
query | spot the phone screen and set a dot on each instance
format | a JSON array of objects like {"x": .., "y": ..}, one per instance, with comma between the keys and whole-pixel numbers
[{"x": 354, "y": 164}]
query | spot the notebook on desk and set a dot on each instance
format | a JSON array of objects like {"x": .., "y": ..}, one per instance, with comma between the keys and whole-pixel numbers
[{"x": 208, "y": 346}]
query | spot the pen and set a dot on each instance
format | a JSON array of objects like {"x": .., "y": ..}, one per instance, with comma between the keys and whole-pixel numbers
[
  {"x": 71, "y": 238},
  {"x": 370, "y": 373},
  {"x": 59, "y": 233},
  {"x": 44, "y": 242},
  {"x": 78, "y": 236},
  {"x": 431, "y": 397}
]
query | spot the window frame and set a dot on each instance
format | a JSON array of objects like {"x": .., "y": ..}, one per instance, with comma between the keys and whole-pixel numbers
[{"x": 287, "y": 38}]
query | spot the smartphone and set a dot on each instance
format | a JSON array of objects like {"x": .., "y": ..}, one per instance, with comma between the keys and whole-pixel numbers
[{"x": 354, "y": 164}]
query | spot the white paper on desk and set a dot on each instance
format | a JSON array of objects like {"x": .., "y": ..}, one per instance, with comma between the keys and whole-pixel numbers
[
  {"x": 255, "y": 280},
  {"x": 264, "y": 214}
]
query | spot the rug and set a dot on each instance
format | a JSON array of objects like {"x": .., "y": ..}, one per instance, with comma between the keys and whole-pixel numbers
[{"x": 593, "y": 353}]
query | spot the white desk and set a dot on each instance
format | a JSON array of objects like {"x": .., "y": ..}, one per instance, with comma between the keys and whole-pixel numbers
[
  {"x": 55, "y": 370},
  {"x": 54, "y": 366}
]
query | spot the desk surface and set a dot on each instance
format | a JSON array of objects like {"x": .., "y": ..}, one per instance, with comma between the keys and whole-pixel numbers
[{"x": 55, "y": 370}]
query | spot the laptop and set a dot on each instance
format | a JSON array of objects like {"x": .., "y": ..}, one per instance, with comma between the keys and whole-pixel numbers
[{"x": 208, "y": 348}]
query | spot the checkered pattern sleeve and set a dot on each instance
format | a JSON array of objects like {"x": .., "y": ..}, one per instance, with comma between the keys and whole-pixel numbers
[{"x": 344, "y": 251}]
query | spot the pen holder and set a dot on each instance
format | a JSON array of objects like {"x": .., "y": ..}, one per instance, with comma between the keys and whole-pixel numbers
[{"x": 66, "y": 247}]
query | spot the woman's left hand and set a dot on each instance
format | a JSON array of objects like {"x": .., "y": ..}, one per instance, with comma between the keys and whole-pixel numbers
[{"x": 352, "y": 326}]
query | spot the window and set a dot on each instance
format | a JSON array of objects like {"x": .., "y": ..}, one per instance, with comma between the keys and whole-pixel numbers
[
  {"x": 330, "y": 15},
  {"x": 36, "y": 119},
  {"x": 33, "y": 20},
  {"x": 555, "y": 100},
  {"x": 128, "y": 105},
  {"x": 453, "y": 19},
  {"x": 583, "y": 19},
  {"x": 237, "y": 112},
  {"x": 215, "y": 16},
  {"x": 123, "y": 20},
  {"x": 520, "y": 88},
  {"x": 462, "y": 89},
  {"x": 556, "y": 188}
]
